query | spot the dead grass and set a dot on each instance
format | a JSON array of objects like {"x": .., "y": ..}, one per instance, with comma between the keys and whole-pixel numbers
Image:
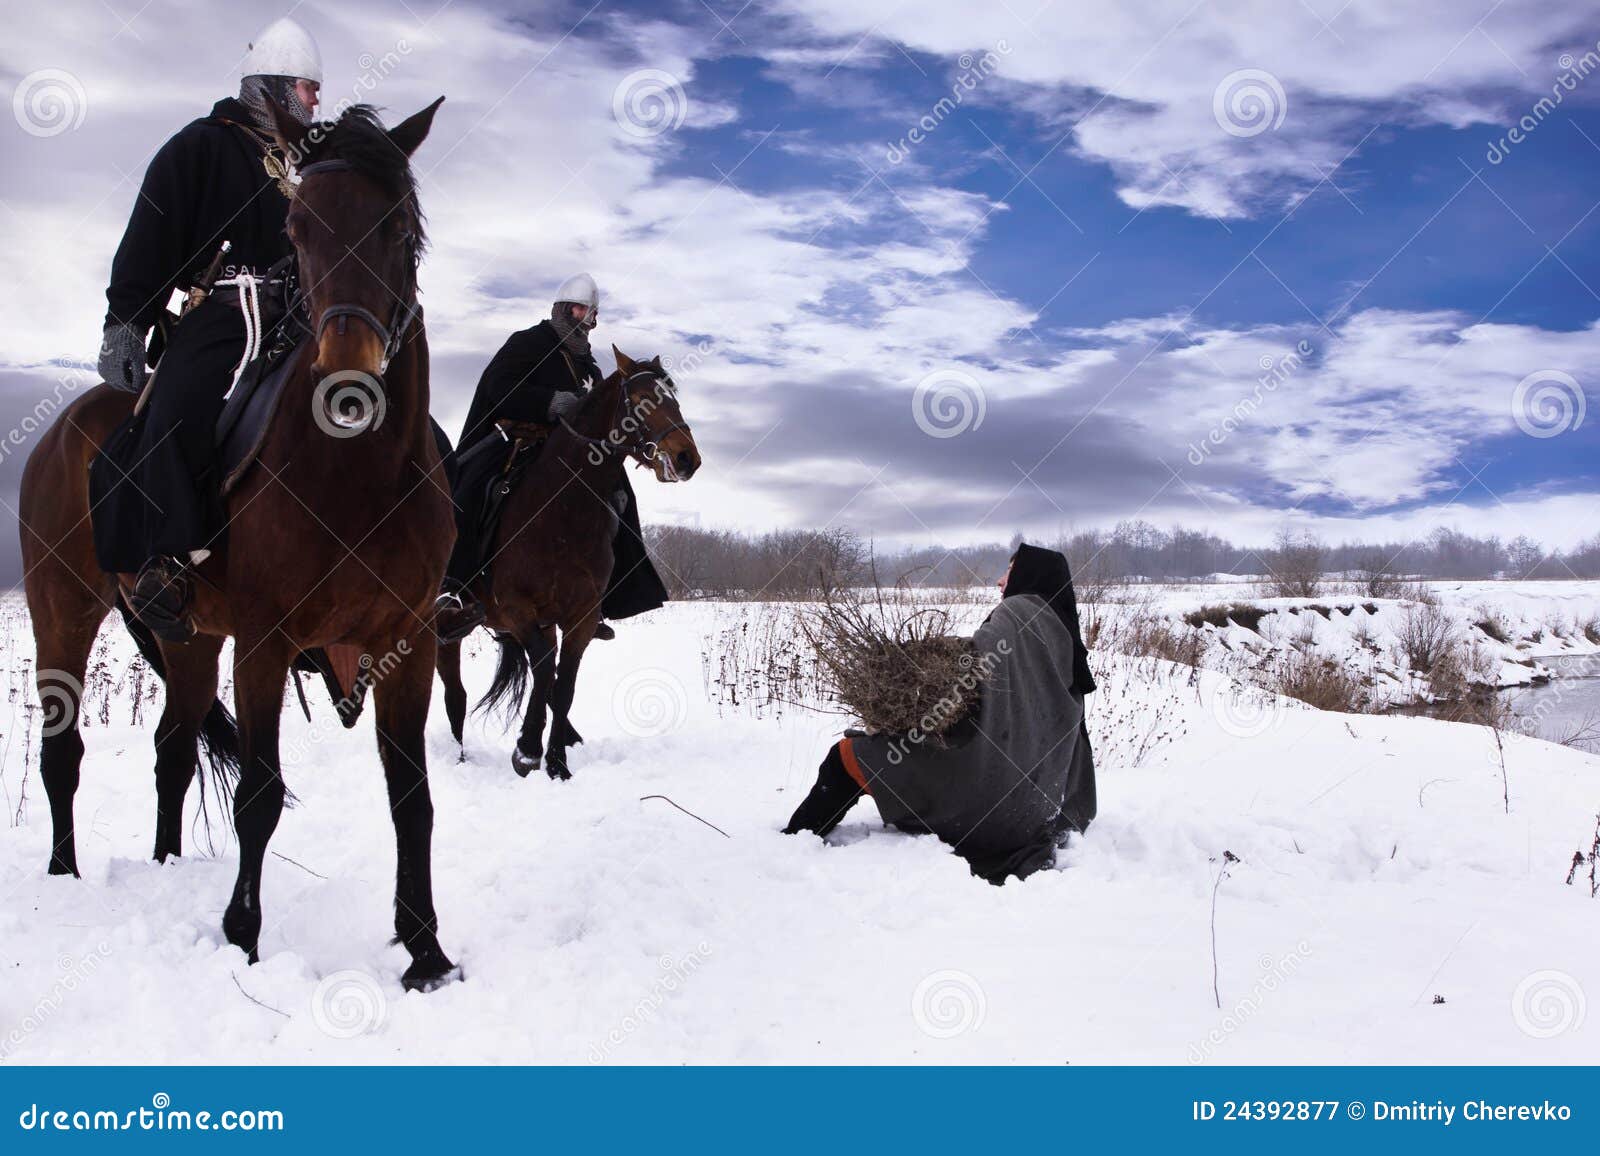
[
  {"x": 1219, "y": 614},
  {"x": 1319, "y": 682}
]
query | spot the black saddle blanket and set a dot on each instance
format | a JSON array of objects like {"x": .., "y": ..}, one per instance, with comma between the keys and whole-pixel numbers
[{"x": 122, "y": 509}]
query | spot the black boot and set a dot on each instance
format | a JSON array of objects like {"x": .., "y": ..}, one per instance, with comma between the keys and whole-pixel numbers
[
  {"x": 160, "y": 599},
  {"x": 830, "y": 799},
  {"x": 456, "y": 612}
]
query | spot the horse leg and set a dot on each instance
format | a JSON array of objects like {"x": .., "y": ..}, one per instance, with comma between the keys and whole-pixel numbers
[
  {"x": 562, "y": 734},
  {"x": 455, "y": 692},
  {"x": 259, "y": 669},
  {"x": 529, "y": 752},
  {"x": 63, "y": 657},
  {"x": 191, "y": 677},
  {"x": 402, "y": 716}
]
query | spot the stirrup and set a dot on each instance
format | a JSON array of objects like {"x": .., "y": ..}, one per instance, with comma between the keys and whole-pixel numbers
[
  {"x": 160, "y": 599},
  {"x": 456, "y": 614}
]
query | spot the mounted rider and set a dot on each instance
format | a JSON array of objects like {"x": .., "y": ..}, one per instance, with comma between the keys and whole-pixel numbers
[
  {"x": 221, "y": 178},
  {"x": 541, "y": 375}
]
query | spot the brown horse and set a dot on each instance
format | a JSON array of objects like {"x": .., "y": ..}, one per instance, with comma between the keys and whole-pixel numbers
[
  {"x": 338, "y": 534},
  {"x": 552, "y": 558}
]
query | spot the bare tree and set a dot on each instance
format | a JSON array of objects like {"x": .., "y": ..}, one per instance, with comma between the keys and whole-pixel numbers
[{"x": 1294, "y": 565}]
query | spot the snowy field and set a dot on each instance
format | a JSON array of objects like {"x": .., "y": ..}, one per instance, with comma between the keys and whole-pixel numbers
[
  {"x": 1510, "y": 628},
  {"x": 1385, "y": 907}
]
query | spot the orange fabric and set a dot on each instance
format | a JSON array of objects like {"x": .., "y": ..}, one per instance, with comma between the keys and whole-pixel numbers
[{"x": 847, "y": 755}]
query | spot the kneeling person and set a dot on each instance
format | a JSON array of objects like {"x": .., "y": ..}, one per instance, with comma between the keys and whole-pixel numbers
[{"x": 1010, "y": 782}]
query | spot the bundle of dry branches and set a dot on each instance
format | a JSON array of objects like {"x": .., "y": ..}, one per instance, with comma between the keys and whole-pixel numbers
[{"x": 890, "y": 657}]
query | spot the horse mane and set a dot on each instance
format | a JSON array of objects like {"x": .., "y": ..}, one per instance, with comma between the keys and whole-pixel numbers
[{"x": 359, "y": 139}]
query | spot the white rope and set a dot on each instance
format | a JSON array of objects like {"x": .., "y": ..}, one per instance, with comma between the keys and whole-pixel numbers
[{"x": 250, "y": 307}]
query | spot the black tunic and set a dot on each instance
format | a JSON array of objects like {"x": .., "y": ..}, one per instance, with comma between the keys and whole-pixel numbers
[
  {"x": 206, "y": 185},
  {"x": 519, "y": 383}
]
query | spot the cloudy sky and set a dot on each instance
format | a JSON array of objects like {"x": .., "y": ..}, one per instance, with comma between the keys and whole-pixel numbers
[{"x": 944, "y": 271}]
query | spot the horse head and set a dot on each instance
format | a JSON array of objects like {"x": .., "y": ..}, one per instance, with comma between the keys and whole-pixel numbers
[
  {"x": 664, "y": 441},
  {"x": 357, "y": 232}
]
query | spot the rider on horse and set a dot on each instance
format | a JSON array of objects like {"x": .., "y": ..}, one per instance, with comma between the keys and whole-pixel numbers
[
  {"x": 217, "y": 180},
  {"x": 540, "y": 375}
]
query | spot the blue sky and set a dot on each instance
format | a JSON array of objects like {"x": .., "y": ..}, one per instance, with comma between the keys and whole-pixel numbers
[{"x": 1024, "y": 321}]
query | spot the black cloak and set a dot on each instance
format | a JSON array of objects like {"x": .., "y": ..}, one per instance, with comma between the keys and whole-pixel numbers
[
  {"x": 1002, "y": 788},
  {"x": 1035, "y": 570}
]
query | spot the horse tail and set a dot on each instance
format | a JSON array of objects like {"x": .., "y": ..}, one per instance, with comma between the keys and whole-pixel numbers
[
  {"x": 510, "y": 678},
  {"x": 219, "y": 733}
]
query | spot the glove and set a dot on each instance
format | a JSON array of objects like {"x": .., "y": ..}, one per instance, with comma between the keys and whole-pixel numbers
[
  {"x": 122, "y": 358},
  {"x": 563, "y": 405}
]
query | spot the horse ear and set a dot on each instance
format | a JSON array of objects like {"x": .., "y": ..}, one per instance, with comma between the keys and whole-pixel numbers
[
  {"x": 624, "y": 362},
  {"x": 412, "y": 131},
  {"x": 288, "y": 132}
]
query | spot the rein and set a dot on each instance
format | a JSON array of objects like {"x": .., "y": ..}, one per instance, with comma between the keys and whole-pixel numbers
[
  {"x": 406, "y": 311},
  {"x": 644, "y": 449}
]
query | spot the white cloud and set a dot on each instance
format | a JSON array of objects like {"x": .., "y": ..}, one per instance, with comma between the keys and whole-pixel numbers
[
  {"x": 527, "y": 177},
  {"x": 1153, "y": 67}
]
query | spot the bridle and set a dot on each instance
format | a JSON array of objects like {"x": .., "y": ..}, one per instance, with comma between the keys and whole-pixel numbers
[
  {"x": 644, "y": 449},
  {"x": 406, "y": 310}
]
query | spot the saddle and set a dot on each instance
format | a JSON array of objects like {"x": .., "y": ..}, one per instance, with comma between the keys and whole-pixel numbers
[
  {"x": 242, "y": 427},
  {"x": 526, "y": 439}
]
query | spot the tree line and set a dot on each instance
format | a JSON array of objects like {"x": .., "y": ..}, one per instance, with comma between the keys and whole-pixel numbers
[{"x": 783, "y": 564}]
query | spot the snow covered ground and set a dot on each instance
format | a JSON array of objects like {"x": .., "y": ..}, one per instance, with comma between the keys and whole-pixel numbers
[
  {"x": 1506, "y": 629},
  {"x": 1378, "y": 870}
]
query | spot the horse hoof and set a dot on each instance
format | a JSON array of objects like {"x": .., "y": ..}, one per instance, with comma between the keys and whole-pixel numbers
[
  {"x": 522, "y": 763},
  {"x": 427, "y": 975},
  {"x": 557, "y": 770},
  {"x": 58, "y": 867}
]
